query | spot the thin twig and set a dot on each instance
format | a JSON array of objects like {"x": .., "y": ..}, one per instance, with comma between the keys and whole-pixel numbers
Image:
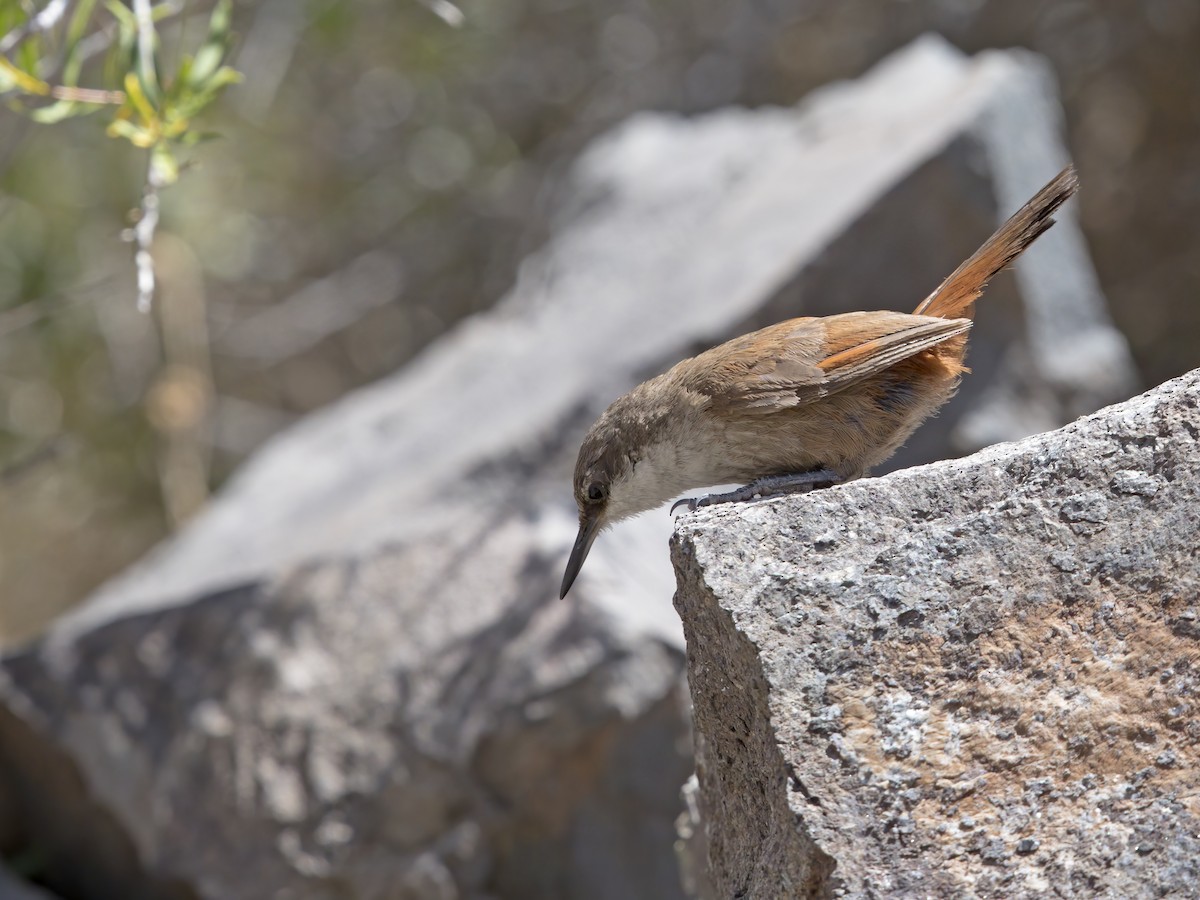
[
  {"x": 100, "y": 40},
  {"x": 148, "y": 221},
  {"x": 143, "y": 235},
  {"x": 145, "y": 43},
  {"x": 86, "y": 95},
  {"x": 49, "y": 16}
]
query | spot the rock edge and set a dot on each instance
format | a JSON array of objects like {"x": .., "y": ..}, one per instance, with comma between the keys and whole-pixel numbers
[{"x": 975, "y": 678}]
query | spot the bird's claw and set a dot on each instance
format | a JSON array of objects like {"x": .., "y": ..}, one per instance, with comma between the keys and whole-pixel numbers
[
  {"x": 690, "y": 502},
  {"x": 771, "y": 486}
]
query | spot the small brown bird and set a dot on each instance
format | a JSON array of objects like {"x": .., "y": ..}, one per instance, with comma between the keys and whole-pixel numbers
[{"x": 807, "y": 403}]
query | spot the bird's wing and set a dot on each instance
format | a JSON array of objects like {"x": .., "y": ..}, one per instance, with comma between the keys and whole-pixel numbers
[{"x": 803, "y": 360}]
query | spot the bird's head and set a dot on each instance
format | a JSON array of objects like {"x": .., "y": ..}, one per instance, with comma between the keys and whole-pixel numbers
[
  {"x": 599, "y": 469},
  {"x": 622, "y": 470}
]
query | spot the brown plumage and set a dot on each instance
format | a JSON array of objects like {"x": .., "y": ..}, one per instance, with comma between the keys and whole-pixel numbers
[{"x": 833, "y": 395}]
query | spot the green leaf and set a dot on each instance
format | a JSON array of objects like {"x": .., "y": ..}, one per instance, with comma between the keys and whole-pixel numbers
[
  {"x": 193, "y": 102},
  {"x": 119, "y": 58},
  {"x": 75, "y": 31},
  {"x": 175, "y": 126},
  {"x": 29, "y": 53},
  {"x": 215, "y": 46},
  {"x": 71, "y": 67},
  {"x": 219, "y": 23},
  {"x": 117, "y": 62},
  {"x": 181, "y": 83},
  {"x": 63, "y": 109},
  {"x": 192, "y": 138},
  {"x": 123, "y": 128},
  {"x": 12, "y": 78},
  {"x": 122, "y": 13},
  {"x": 139, "y": 100},
  {"x": 208, "y": 59},
  {"x": 222, "y": 78},
  {"x": 79, "y": 21}
]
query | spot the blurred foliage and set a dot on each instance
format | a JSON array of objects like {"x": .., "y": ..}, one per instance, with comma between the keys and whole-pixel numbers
[
  {"x": 59, "y": 43},
  {"x": 382, "y": 175}
]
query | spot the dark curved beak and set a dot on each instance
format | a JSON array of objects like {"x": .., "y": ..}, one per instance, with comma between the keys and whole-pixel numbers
[{"x": 588, "y": 529}]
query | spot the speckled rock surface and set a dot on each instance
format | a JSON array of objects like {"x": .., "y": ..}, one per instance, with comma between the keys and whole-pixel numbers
[
  {"x": 318, "y": 738},
  {"x": 976, "y": 678}
]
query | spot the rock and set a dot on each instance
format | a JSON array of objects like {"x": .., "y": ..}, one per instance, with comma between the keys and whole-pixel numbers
[
  {"x": 334, "y": 735},
  {"x": 692, "y": 847},
  {"x": 967, "y": 679},
  {"x": 352, "y": 674}
]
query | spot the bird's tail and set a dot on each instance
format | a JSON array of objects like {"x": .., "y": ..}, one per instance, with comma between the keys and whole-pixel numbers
[{"x": 955, "y": 297}]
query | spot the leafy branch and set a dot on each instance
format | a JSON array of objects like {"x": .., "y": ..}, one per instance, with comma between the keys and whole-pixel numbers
[{"x": 43, "y": 59}]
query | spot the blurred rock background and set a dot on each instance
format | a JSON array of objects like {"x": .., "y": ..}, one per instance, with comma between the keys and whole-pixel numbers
[{"x": 382, "y": 173}]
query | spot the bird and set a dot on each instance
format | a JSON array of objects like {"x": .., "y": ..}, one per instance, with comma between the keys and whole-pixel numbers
[{"x": 806, "y": 403}]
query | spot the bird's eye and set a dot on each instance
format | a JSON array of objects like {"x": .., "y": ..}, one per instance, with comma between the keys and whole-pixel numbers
[{"x": 596, "y": 492}]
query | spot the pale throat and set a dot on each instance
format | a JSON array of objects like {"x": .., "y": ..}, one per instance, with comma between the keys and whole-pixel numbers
[{"x": 664, "y": 471}]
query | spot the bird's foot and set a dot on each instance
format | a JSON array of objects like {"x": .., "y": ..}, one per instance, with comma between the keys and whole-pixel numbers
[{"x": 771, "y": 486}]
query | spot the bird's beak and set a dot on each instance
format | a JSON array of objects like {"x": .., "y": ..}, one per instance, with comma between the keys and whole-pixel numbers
[{"x": 589, "y": 527}]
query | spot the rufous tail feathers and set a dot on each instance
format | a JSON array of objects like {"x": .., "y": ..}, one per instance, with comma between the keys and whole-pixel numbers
[{"x": 955, "y": 297}]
